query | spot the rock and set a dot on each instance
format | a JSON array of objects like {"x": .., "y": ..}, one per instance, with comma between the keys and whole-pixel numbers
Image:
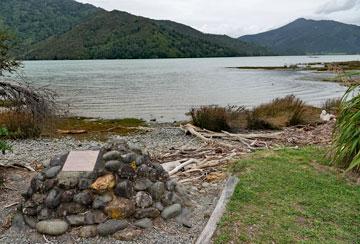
[
  {"x": 143, "y": 171},
  {"x": 36, "y": 184},
  {"x": 157, "y": 190},
  {"x": 113, "y": 165},
  {"x": 104, "y": 183},
  {"x": 38, "y": 198},
  {"x": 95, "y": 217},
  {"x": 30, "y": 221},
  {"x": 170, "y": 185},
  {"x": 75, "y": 220},
  {"x": 143, "y": 199},
  {"x": 159, "y": 206},
  {"x": 68, "y": 180},
  {"x": 145, "y": 223},
  {"x": 84, "y": 198},
  {"x": 111, "y": 226},
  {"x": 126, "y": 171},
  {"x": 129, "y": 158},
  {"x": 184, "y": 218},
  {"x": 70, "y": 208},
  {"x": 124, "y": 189},
  {"x": 18, "y": 222},
  {"x": 15, "y": 177},
  {"x": 84, "y": 184},
  {"x": 68, "y": 196},
  {"x": 171, "y": 211},
  {"x": 128, "y": 234},
  {"x": 112, "y": 155},
  {"x": 58, "y": 160},
  {"x": 142, "y": 184},
  {"x": 120, "y": 208},
  {"x": 53, "y": 199},
  {"x": 147, "y": 213},
  {"x": 167, "y": 198},
  {"x": 88, "y": 231},
  {"x": 143, "y": 159},
  {"x": 44, "y": 214},
  {"x": 52, "y": 227},
  {"x": 52, "y": 172},
  {"x": 50, "y": 184},
  {"x": 176, "y": 198},
  {"x": 101, "y": 201}
]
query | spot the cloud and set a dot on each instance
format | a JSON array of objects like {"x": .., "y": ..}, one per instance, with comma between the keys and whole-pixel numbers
[{"x": 333, "y": 6}]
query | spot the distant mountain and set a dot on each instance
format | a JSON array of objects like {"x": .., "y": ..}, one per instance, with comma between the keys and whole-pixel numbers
[
  {"x": 65, "y": 29},
  {"x": 310, "y": 37}
]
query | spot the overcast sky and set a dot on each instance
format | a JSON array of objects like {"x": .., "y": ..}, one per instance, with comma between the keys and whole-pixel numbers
[{"x": 237, "y": 17}]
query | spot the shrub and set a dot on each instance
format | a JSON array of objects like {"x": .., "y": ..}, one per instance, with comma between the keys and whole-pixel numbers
[
  {"x": 3, "y": 145},
  {"x": 279, "y": 113},
  {"x": 216, "y": 118},
  {"x": 346, "y": 140},
  {"x": 332, "y": 105}
]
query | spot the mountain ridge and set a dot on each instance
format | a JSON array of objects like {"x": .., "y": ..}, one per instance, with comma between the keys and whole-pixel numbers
[{"x": 307, "y": 36}]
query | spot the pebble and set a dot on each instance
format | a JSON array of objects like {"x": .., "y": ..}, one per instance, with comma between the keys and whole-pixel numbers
[
  {"x": 127, "y": 234},
  {"x": 143, "y": 199},
  {"x": 53, "y": 198},
  {"x": 171, "y": 211},
  {"x": 84, "y": 198},
  {"x": 101, "y": 201},
  {"x": 112, "y": 155},
  {"x": 129, "y": 158},
  {"x": 75, "y": 220},
  {"x": 142, "y": 184},
  {"x": 147, "y": 213},
  {"x": 111, "y": 226},
  {"x": 52, "y": 227},
  {"x": 144, "y": 223},
  {"x": 120, "y": 208},
  {"x": 113, "y": 165},
  {"x": 124, "y": 189},
  {"x": 30, "y": 221},
  {"x": 18, "y": 222},
  {"x": 157, "y": 190},
  {"x": 95, "y": 217}
]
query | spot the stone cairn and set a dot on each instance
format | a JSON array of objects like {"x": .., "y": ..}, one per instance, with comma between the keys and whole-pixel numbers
[{"x": 124, "y": 191}]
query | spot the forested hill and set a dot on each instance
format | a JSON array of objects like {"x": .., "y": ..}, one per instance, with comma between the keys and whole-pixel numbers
[
  {"x": 310, "y": 37},
  {"x": 65, "y": 29}
]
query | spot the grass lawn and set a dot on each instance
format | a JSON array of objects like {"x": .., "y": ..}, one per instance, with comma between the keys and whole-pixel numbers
[{"x": 290, "y": 196}]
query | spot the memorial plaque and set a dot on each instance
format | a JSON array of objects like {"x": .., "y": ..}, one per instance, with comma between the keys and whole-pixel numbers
[{"x": 81, "y": 161}]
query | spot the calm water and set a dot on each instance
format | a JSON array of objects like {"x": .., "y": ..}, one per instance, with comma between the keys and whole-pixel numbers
[{"x": 166, "y": 89}]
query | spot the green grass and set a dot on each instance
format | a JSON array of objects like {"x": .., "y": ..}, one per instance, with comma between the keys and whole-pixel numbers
[{"x": 291, "y": 196}]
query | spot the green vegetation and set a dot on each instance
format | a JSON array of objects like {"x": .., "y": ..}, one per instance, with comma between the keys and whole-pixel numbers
[
  {"x": 7, "y": 62},
  {"x": 346, "y": 144},
  {"x": 52, "y": 29},
  {"x": 332, "y": 105},
  {"x": 3, "y": 145},
  {"x": 307, "y": 37},
  {"x": 279, "y": 113},
  {"x": 290, "y": 196}
]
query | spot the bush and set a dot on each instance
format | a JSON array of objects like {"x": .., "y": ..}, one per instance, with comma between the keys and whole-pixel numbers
[
  {"x": 332, "y": 105},
  {"x": 216, "y": 118},
  {"x": 346, "y": 141},
  {"x": 3, "y": 145},
  {"x": 281, "y": 112}
]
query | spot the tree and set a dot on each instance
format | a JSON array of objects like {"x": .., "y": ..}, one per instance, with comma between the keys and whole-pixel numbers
[{"x": 7, "y": 62}]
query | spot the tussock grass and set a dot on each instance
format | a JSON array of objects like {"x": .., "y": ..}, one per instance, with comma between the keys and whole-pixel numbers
[{"x": 332, "y": 105}]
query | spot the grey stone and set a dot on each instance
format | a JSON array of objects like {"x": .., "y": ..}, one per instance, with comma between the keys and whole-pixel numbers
[
  {"x": 113, "y": 165},
  {"x": 38, "y": 198},
  {"x": 171, "y": 211},
  {"x": 143, "y": 199},
  {"x": 50, "y": 184},
  {"x": 111, "y": 226},
  {"x": 112, "y": 155},
  {"x": 58, "y": 160},
  {"x": 126, "y": 171},
  {"x": 171, "y": 185},
  {"x": 129, "y": 158},
  {"x": 184, "y": 218},
  {"x": 84, "y": 198},
  {"x": 18, "y": 222},
  {"x": 52, "y": 227},
  {"x": 147, "y": 213},
  {"x": 15, "y": 177},
  {"x": 84, "y": 183},
  {"x": 44, "y": 214},
  {"x": 142, "y": 184},
  {"x": 70, "y": 208},
  {"x": 157, "y": 190},
  {"x": 30, "y": 221},
  {"x": 88, "y": 231},
  {"x": 75, "y": 220},
  {"x": 95, "y": 217},
  {"x": 53, "y": 199},
  {"x": 68, "y": 180},
  {"x": 68, "y": 196},
  {"x": 145, "y": 223},
  {"x": 159, "y": 206},
  {"x": 36, "y": 184},
  {"x": 124, "y": 189},
  {"x": 143, "y": 171},
  {"x": 52, "y": 172},
  {"x": 143, "y": 159},
  {"x": 101, "y": 201}
]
